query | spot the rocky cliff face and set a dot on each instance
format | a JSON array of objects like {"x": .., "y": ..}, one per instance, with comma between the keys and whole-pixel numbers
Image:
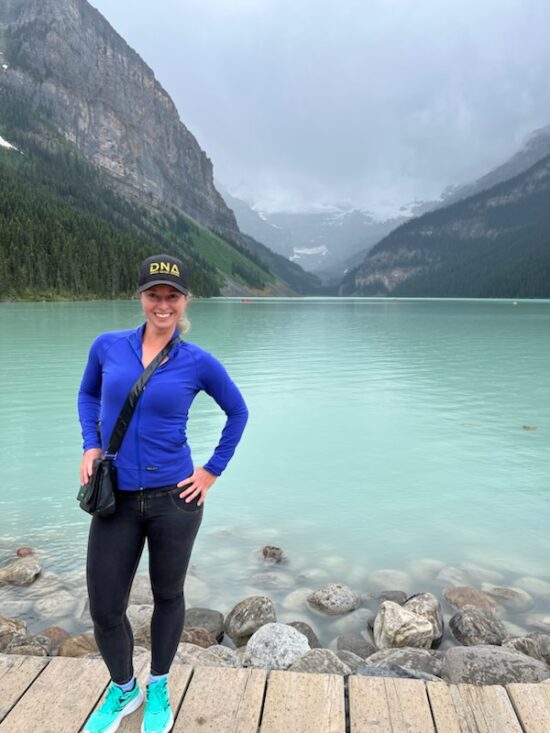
[{"x": 65, "y": 60}]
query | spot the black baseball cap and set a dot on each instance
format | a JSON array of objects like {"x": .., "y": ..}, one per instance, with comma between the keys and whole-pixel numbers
[{"x": 163, "y": 270}]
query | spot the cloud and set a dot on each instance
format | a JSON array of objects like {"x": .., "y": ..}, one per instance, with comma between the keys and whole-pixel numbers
[{"x": 324, "y": 100}]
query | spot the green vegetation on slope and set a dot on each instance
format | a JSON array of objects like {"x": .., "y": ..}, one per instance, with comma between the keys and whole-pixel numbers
[
  {"x": 65, "y": 233},
  {"x": 495, "y": 244}
]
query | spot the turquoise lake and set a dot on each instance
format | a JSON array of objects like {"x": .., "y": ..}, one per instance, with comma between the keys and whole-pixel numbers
[{"x": 381, "y": 432}]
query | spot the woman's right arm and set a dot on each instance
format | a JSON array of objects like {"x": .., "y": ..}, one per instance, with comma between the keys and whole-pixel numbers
[{"x": 89, "y": 405}]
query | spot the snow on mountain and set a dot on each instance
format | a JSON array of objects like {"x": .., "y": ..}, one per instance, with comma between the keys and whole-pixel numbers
[{"x": 6, "y": 144}]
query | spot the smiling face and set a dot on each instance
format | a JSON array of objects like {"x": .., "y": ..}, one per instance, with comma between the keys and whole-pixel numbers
[{"x": 163, "y": 306}]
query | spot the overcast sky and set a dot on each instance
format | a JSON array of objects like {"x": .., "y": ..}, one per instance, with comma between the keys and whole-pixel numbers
[{"x": 369, "y": 102}]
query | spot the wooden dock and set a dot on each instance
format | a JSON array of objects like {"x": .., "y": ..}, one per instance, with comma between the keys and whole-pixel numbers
[{"x": 56, "y": 695}]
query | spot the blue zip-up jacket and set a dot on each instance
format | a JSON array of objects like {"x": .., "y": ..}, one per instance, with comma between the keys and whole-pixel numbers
[{"x": 154, "y": 452}]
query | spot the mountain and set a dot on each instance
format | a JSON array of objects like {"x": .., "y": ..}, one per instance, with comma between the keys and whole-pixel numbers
[
  {"x": 98, "y": 171},
  {"x": 493, "y": 244},
  {"x": 66, "y": 62},
  {"x": 65, "y": 233},
  {"x": 322, "y": 241},
  {"x": 535, "y": 148},
  {"x": 288, "y": 272},
  {"x": 257, "y": 226}
]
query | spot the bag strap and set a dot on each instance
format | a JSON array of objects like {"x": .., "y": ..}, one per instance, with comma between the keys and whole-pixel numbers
[{"x": 123, "y": 420}]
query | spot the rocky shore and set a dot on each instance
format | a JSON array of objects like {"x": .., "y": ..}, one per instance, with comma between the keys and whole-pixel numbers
[{"x": 475, "y": 630}]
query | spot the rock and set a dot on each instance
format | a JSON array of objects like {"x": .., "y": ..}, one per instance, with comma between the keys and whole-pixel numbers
[
  {"x": 205, "y": 618},
  {"x": 390, "y": 579},
  {"x": 472, "y": 626},
  {"x": 397, "y": 596},
  {"x": 218, "y": 656},
  {"x": 141, "y": 593},
  {"x": 15, "y": 609},
  {"x": 355, "y": 643},
  {"x": 199, "y": 637},
  {"x": 139, "y": 617},
  {"x": 534, "y": 645},
  {"x": 427, "y": 606},
  {"x": 356, "y": 621},
  {"x": 461, "y": 596},
  {"x": 273, "y": 581},
  {"x": 334, "y": 599},
  {"x": 247, "y": 617},
  {"x": 452, "y": 576},
  {"x": 296, "y": 600},
  {"x": 57, "y": 604},
  {"x": 336, "y": 564},
  {"x": 409, "y": 658},
  {"x": 351, "y": 660},
  {"x": 22, "y": 571},
  {"x": 56, "y": 636},
  {"x": 44, "y": 585},
  {"x": 534, "y": 586},
  {"x": 273, "y": 554},
  {"x": 10, "y": 628},
  {"x": 312, "y": 575},
  {"x": 188, "y": 653},
  {"x": 77, "y": 646},
  {"x": 490, "y": 665},
  {"x": 320, "y": 661},
  {"x": 76, "y": 580},
  {"x": 539, "y": 621},
  {"x": 196, "y": 590},
  {"x": 515, "y": 600},
  {"x": 308, "y": 632},
  {"x": 425, "y": 568},
  {"x": 513, "y": 629},
  {"x": 481, "y": 575},
  {"x": 395, "y": 626},
  {"x": 25, "y": 551},
  {"x": 29, "y": 645},
  {"x": 368, "y": 671},
  {"x": 275, "y": 646}
]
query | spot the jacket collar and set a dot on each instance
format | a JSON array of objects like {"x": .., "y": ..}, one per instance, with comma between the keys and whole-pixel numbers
[{"x": 136, "y": 340}]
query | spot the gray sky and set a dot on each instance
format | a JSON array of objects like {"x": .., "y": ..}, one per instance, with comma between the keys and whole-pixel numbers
[{"x": 369, "y": 102}]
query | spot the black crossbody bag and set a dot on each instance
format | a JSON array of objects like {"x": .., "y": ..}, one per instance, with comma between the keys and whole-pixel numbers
[{"x": 98, "y": 495}]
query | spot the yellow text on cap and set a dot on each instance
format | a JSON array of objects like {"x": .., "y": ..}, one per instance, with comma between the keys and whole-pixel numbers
[{"x": 164, "y": 267}]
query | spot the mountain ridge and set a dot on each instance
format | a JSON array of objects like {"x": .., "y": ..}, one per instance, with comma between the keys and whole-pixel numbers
[
  {"x": 495, "y": 243},
  {"x": 65, "y": 60}
]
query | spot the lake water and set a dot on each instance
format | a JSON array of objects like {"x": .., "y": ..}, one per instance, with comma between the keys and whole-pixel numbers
[{"x": 381, "y": 432}]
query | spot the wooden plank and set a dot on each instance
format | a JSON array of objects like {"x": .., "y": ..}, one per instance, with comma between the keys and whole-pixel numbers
[
  {"x": 484, "y": 709},
  {"x": 17, "y": 673},
  {"x": 60, "y": 699},
  {"x": 222, "y": 700},
  {"x": 304, "y": 703},
  {"x": 389, "y": 705},
  {"x": 532, "y": 705},
  {"x": 443, "y": 710},
  {"x": 177, "y": 683}
]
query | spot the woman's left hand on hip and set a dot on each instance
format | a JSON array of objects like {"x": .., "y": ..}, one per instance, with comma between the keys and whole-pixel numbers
[{"x": 199, "y": 482}]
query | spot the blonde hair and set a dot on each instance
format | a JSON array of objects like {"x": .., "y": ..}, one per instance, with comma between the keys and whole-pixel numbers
[{"x": 184, "y": 324}]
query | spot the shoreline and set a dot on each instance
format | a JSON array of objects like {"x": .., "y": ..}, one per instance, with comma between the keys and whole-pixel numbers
[{"x": 332, "y": 626}]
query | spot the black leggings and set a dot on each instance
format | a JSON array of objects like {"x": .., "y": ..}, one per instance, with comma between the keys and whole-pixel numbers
[{"x": 115, "y": 545}]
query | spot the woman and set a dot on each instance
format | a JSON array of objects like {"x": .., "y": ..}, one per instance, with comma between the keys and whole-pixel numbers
[{"x": 160, "y": 495}]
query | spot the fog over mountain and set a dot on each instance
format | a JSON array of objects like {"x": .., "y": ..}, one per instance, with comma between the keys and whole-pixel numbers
[{"x": 371, "y": 105}]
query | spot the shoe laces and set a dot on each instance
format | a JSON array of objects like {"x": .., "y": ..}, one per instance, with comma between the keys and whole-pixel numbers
[
  {"x": 157, "y": 696},
  {"x": 112, "y": 701}
]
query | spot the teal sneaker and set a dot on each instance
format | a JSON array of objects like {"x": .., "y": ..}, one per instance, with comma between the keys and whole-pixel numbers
[
  {"x": 158, "y": 717},
  {"x": 117, "y": 705}
]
